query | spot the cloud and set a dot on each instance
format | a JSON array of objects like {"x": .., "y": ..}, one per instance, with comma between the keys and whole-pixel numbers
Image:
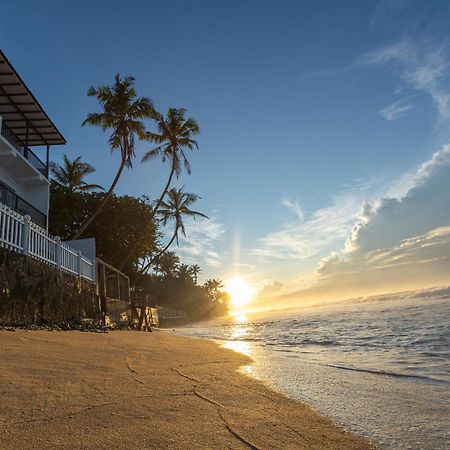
[
  {"x": 294, "y": 207},
  {"x": 397, "y": 244},
  {"x": 368, "y": 215},
  {"x": 306, "y": 235},
  {"x": 418, "y": 261},
  {"x": 199, "y": 245},
  {"x": 420, "y": 67},
  {"x": 387, "y": 9},
  {"x": 303, "y": 238},
  {"x": 270, "y": 288},
  {"x": 424, "y": 207},
  {"x": 396, "y": 110},
  {"x": 432, "y": 246}
]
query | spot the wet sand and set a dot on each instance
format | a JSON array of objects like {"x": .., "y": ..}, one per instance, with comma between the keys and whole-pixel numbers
[{"x": 129, "y": 390}]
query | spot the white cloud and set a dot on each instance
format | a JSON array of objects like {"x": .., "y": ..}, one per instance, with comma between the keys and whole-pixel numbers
[
  {"x": 270, "y": 287},
  {"x": 199, "y": 245},
  {"x": 396, "y": 110},
  {"x": 386, "y": 9},
  {"x": 420, "y": 67},
  {"x": 397, "y": 244},
  {"x": 425, "y": 206},
  {"x": 295, "y": 207},
  {"x": 417, "y": 261},
  {"x": 308, "y": 235},
  {"x": 304, "y": 238}
]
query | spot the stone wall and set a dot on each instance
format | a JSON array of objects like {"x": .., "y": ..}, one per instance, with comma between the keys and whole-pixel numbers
[{"x": 32, "y": 292}]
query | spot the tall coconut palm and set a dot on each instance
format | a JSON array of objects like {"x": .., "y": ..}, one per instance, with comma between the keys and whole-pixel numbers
[
  {"x": 214, "y": 287},
  {"x": 168, "y": 264},
  {"x": 123, "y": 112},
  {"x": 195, "y": 271},
  {"x": 71, "y": 174},
  {"x": 185, "y": 273},
  {"x": 174, "y": 137},
  {"x": 174, "y": 209}
]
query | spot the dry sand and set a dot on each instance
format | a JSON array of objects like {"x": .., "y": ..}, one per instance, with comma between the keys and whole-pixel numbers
[{"x": 130, "y": 390}]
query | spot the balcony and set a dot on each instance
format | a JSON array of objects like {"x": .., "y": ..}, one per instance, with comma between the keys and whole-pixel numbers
[
  {"x": 26, "y": 152},
  {"x": 13, "y": 201}
]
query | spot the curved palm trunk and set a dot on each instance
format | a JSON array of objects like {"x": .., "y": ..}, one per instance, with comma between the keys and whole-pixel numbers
[
  {"x": 155, "y": 209},
  {"x": 102, "y": 203},
  {"x": 161, "y": 252}
]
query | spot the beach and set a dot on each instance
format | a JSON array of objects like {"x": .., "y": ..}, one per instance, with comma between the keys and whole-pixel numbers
[
  {"x": 146, "y": 390},
  {"x": 378, "y": 366}
]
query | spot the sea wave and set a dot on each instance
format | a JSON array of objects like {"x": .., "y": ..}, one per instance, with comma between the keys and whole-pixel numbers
[{"x": 387, "y": 373}]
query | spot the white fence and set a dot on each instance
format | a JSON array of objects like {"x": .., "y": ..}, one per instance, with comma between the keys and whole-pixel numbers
[{"x": 19, "y": 234}]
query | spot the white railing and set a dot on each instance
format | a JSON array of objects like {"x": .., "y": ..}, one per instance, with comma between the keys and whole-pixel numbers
[{"x": 18, "y": 233}]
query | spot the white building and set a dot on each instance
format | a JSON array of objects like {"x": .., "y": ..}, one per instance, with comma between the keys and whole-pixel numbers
[
  {"x": 25, "y": 184},
  {"x": 24, "y": 125}
]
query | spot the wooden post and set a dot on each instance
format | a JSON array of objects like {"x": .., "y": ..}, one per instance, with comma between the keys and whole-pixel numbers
[
  {"x": 104, "y": 280},
  {"x": 141, "y": 318},
  {"x": 147, "y": 325}
]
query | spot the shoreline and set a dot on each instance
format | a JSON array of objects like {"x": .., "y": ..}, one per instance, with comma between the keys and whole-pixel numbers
[{"x": 140, "y": 390}]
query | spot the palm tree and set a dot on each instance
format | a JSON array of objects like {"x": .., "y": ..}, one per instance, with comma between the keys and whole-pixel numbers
[
  {"x": 185, "y": 273},
  {"x": 214, "y": 288},
  {"x": 122, "y": 112},
  {"x": 175, "y": 208},
  {"x": 174, "y": 137},
  {"x": 168, "y": 264},
  {"x": 72, "y": 173},
  {"x": 195, "y": 271}
]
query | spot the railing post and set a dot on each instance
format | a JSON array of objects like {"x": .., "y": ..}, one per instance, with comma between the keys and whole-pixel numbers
[
  {"x": 58, "y": 252},
  {"x": 80, "y": 263},
  {"x": 26, "y": 234}
]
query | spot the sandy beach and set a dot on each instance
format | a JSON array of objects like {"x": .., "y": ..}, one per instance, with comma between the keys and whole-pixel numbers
[{"x": 142, "y": 390}]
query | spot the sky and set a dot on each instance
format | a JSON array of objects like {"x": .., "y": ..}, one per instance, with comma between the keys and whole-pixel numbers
[{"x": 324, "y": 160}]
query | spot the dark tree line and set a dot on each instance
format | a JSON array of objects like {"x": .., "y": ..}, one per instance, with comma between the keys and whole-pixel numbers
[{"x": 118, "y": 227}]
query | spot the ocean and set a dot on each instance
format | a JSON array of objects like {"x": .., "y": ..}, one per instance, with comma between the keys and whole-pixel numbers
[{"x": 380, "y": 366}]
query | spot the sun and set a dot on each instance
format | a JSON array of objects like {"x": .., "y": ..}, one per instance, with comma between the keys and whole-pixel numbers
[{"x": 240, "y": 293}]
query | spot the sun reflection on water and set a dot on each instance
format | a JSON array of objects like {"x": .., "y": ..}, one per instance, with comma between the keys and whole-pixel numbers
[
  {"x": 237, "y": 333},
  {"x": 239, "y": 346}
]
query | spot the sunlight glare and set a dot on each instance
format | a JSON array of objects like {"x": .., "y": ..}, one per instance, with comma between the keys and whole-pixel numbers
[
  {"x": 238, "y": 346},
  {"x": 240, "y": 292}
]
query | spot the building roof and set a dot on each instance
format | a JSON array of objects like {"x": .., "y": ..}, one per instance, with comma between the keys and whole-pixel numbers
[{"x": 19, "y": 106}]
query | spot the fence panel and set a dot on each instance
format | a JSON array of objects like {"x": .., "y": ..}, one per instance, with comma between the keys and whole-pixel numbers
[
  {"x": 18, "y": 233},
  {"x": 41, "y": 245},
  {"x": 69, "y": 259},
  {"x": 11, "y": 226},
  {"x": 87, "y": 268}
]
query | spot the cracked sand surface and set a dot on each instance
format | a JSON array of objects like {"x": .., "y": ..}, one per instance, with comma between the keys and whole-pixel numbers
[{"x": 138, "y": 390}]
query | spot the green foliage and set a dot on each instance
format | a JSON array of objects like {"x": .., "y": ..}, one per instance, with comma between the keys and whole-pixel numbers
[
  {"x": 117, "y": 227},
  {"x": 176, "y": 207},
  {"x": 174, "y": 285},
  {"x": 72, "y": 174},
  {"x": 174, "y": 136},
  {"x": 122, "y": 113},
  {"x": 34, "y": 292}
]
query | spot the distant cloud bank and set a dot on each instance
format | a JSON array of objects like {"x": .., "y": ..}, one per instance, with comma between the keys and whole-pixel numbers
[{"x": 398, "y": 243}]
